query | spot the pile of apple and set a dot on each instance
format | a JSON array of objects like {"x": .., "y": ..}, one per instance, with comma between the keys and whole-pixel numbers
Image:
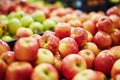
[{"x": 82, "y": 46}]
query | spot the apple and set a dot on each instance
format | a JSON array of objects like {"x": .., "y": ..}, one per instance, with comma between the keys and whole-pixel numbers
[
  {"x": 62, "y": 30},
  {"x": 26, "y": 20},
  {"x": 71, "y": 65},
  {"x": 49, "y": 24},
  {"x": 38, "y": 16},
  {"x": 7, "y": 38},
  {"x": 84, "y": 17},
  {"x": 116, "y": 20},
  {"x": 67, "y": 46},
  {"x": 116, "y": 50},
  {"x": 45, "y": 71},
  {"x": 115, "y": 36},
  {"x": 89, "y": 74},
  {"x": 90, "y": 36},
  {"x": 23, "y": 32},
  {"x": 104, "y": 57},
  {"x": 36, "y": 27},
  {"x": 3, "y": 68},
  {"x": 19, "y": 14},
  {"x": 115, "y": 68},
  {"x": 89, "y": 57},
  {"x": 26, "y": 49},
  {"x": 105, "y": 24},
  {"x": 19, "y": 70},
  {"x": 102, "y": 40},
  {"x": 75, "y": 23},
  {"x": 8, "y": 56},
  {"x": 13, "y": 25},
  {"x": 79, "y": 35},
  {"x": 4, "y": 47},
  {"x": 44, "y": 56},
  {"x": 3, "y": 28},
  {"x": 89, "y": 26},
  {"x": 117, "y": 77},
  {"x": 49, "y": 41}
]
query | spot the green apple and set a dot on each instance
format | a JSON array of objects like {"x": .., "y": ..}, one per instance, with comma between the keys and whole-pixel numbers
[
  {"x": 49, "y": 24},
  {"x": 7, "y": 38},
  {"x": 3, "y": 17},
  {"x": 19, "y": 14},
  {"x": 26, "y": 20},
  {"x": 39, "y": 16},
  {"x": 13, "y": 25},
  {"x": 11, "y": 15},
  {"x": 36, "y": 27}
]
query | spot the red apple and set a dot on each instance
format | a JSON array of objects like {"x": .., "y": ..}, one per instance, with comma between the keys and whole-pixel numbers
[
  {"x": 92, "y": 46},
  {"x": 90, "y": 36},
  {"x": 89, "y": 57},
  {"x": 4, "y": 47},
  {"x": 67, "y": 46},
  {"x": 44, "y": 56},
  {"x": 116, "y": 50},
  {"x": 50, "y": 41},
  {"x": 103, "y": 58},
  {"x": 115, "y": 68},
  {"x": 116, "y": 20},
  {"x": 105, "y": 24},
  {"x": 89, "y": 74},
  {"x": 26, "y": 49},
  {"x": 23, "y": 32},
  {"x": 62, "y": 30},
  {"x": 19, "y": 70},
  {"x": 102, "y": 40},
  {"x": 117, "y": 77},
  {"x": 71, "y": 65},
  {"x": 79, "y": 35},
  {"x": 75, "y": 23},
  {"x": 115, "y": 36},
  {"x": 8, "y": 56},
  {"x": 45, "y": 71},
  {"x": 3, "y": 67}
]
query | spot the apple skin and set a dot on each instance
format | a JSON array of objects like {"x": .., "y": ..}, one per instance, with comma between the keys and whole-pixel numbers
[
  {"x": 102, "y": 40},
  {"x": 62, "y": 30},
  {"x": 117, "y": 77},
  {"x": 79, "y": 35},
  {"x": 115, "y": 36},
  {"x": 49, "y": 41},
  {"x": 93, "y": 47},
  {"x": 90, "y": 36},
  {"x": 3, "y": 68},
  {"x": 116, "y": 51},
  {"x": 3, "y": 28},
  {"x": 116, "y": 20},
  {"x": 105, "y": 24},
  {"x": 71, "y": 65},
  {"x": 23, "y": 32},
  {"x": 45, "y": 71},
  {"x": 8, "y": 57},
  {"x": 116, "y": 68},
  {"x": 4, "y": 47},
  {"x": 89, "y": 57},
  {"x": 89, "y": 74},
  {"x": 67, "y": 46},
  {"x": 104, "y": 57},
  {"x": 75, "y": 23},
  {"x": 26, "y": 49},
  {"x": 19, "y": 71},
  {"x": 44, "y": 56}
]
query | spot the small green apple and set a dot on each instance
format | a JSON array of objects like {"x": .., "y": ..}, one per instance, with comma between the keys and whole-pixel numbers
[
  {"x": 36, "y": 27},
  {"x": 7, "y": 38}
]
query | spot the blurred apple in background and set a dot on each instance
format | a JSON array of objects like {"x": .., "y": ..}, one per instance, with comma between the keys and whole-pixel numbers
[
  {"x": 79, "y": 35},
  {"x": 102, "y": 40},
  {"x": 36, "y": 27},
  {"x": 44, "y": 56},
  {"x": 116, "y": 51},
  {"x": 68, "y": 46},
  {"x": 89, "y": 57},
  {"x": 71, "y": 65},
  {"x": 3, "y": 68},
  {"x": 26, "y": 49},
  {"x": 8, "y": 57},
  {"x": 19, "y": 70},
  {"x": 3, "y": 28},
  {"x": 13, "y": 25},
  {"x": 23, "y": 32},
  {"x": 104, "y": 57},
  {"x": 89, "y": 74},
  {"x": 7, "y": 38},
  {"x": 62, "y": 30},
  {"x": 75, "y": 23},
  {"x": 4, "y": 47},
  {"x": 45, "y": 71}
]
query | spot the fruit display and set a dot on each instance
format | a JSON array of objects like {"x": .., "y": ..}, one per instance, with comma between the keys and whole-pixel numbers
[{"x": 54, "y": 42}]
